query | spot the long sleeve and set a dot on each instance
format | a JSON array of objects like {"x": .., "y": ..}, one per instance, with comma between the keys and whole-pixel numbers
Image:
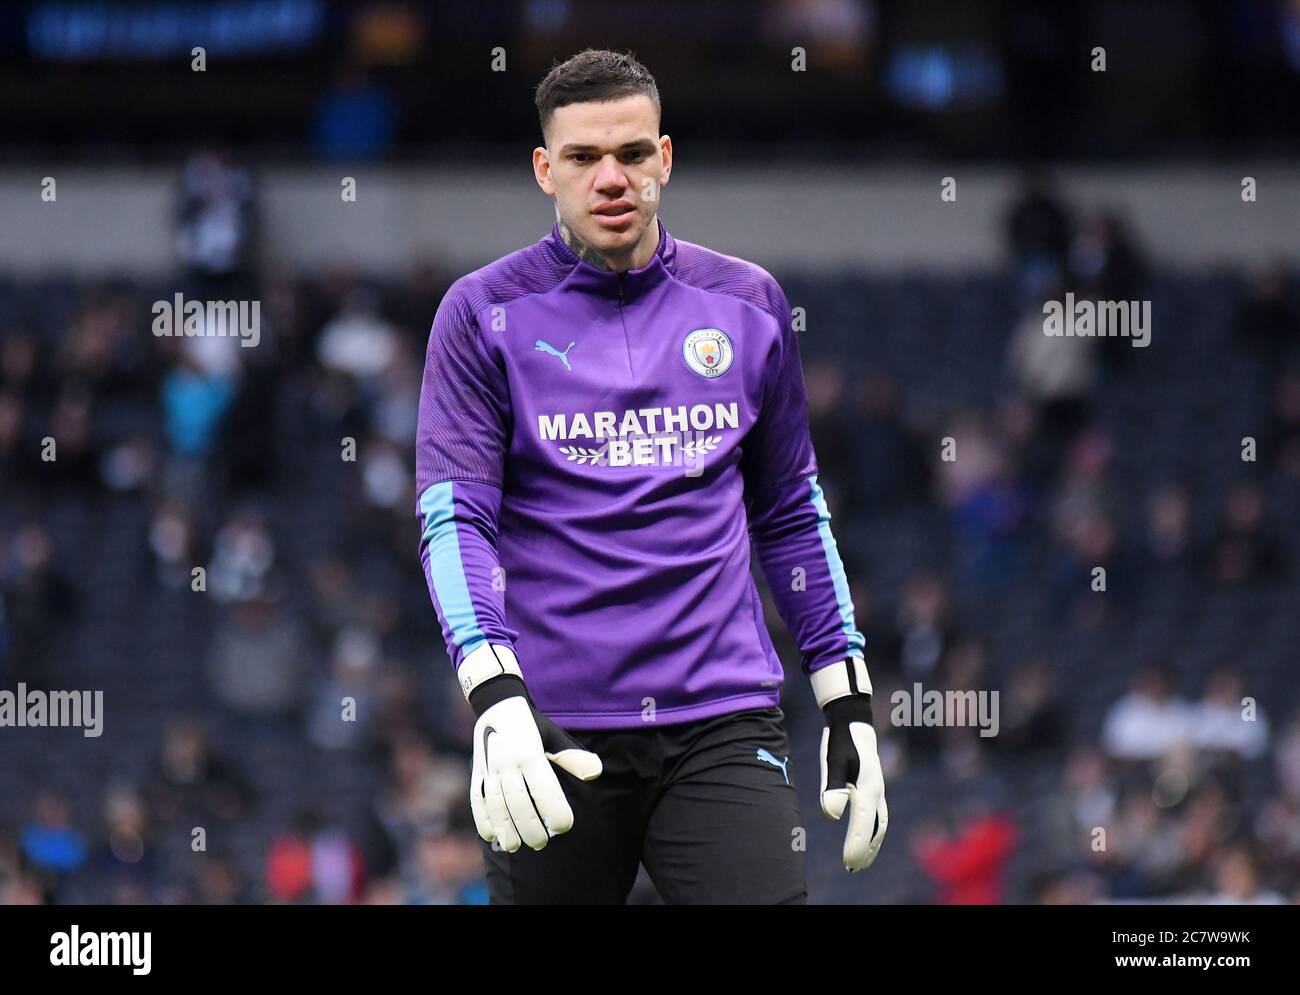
[
  {"x": 460, "y": 451},
  {"x": 788, "y": 519}
]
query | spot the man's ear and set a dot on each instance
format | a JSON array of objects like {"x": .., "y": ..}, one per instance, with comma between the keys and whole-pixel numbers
[
  {"x": 666, "y": 153},
  {"x": 542, "y": 171}
]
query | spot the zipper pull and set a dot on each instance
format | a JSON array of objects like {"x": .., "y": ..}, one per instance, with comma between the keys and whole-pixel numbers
[{"x": 620, "y": 285}]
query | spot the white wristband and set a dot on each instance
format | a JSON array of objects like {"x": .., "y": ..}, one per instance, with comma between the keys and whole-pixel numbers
[
  {"x": 484, "y": 663},
  {"x": 831, "y": 682}
]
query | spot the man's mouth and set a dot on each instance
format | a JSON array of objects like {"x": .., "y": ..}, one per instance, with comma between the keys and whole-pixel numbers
[{"x": 618, "y": 209}]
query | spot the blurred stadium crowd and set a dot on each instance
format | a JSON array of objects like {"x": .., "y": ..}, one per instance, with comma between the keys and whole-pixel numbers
[
  {"x": 1123, "y": 768},
  {"x": 356, "y": 80}
]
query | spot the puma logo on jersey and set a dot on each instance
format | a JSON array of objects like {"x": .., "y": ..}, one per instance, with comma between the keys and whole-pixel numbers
[
  {"x": 550, "y": 350},
  {"x": 764, "y": 755}
]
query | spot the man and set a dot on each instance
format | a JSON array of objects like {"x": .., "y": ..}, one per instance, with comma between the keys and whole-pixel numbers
[{"x": 608, "y": 418}]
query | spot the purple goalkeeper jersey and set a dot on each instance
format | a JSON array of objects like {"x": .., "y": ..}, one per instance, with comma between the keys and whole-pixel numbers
[{"x": 595, "y": 453}]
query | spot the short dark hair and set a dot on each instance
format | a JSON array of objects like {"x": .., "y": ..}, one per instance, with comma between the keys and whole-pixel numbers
[{"x": 593, "y": 75}]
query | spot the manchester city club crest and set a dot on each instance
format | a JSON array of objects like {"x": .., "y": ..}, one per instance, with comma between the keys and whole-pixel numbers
[{"x": 708, "y": 352}]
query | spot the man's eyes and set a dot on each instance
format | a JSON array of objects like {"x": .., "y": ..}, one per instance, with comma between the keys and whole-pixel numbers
[{"x": 634, "y": 156}]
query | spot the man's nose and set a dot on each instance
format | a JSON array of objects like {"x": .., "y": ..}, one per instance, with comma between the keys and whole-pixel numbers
[{"x": 610, "y": 175}]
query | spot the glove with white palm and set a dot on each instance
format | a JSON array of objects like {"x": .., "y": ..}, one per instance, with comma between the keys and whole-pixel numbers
[
  {"x": 514, "y": 794},
  {"x": 849, "y": 761}
]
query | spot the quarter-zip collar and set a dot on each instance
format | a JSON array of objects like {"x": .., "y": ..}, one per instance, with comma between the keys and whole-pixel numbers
[{"x": 606, "y": 283}]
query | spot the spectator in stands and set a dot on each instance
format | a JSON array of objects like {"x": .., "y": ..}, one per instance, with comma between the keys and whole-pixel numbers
[
  {"x": 449, "y": 868},
  {"x": 195, "y": 403},
  {"x": 1105, "y": 264},
  {"x": 1082, "y": 802},
  {"x": 250, "y": 438},
  {"x": 885, "y": 467},
  {"x": 386, "y": 481},
  {"x": 969, "y": 866},
  {"x": 72, "y": 463},
  {"x": 1142, "y": 853},
  {"x": 1281, "y": 445},
  {"x": 338, "y": 871},
  {"x": 423, "y": 792},
  {"x": 1236, "y": 878},
  {"x": 257, "y": 663},
  {"x": 125, "y": 859},
  {"x": 1085, "y": 533},
  {"x": 426, "y": 282},
  {"x": 924, "y": 628},
  {"x": 172, "y": 544},
  {"x": 18, "y": 886},
  {"x": 37, "y": 601},
  {"x": 25, "y": 387},
  {"x": 219, "y": 882},
  {"x": 342, "y": 711},
  {"x": 1278, "y": 823},
  {"x": 243, "y": 557},
  {"x": 1286, "y": 758},
  {"x": 1031, "y": 719},
  {"x": 51, "y": 842},
  {"x": 1038, "y": 232},
  {"x": 1267, "y": 321},
  {"x": 216, "y": 223},
  {"x": 1223, "y": 720},
  {"x": 358, "y": 341},
  {"x": 965, "y": 673},
  {"x": 1056, "y": 373},
  {"x": 1167, "y": 543},
  {"x": 193, "y": 783},
  {"x": 395, "y": 409},
  {"x": 315, "y": 862},
  {"x": 829, "y": 419},
  {"x": 101, "y": 350},
  {"x": 1244, "y": 550},
  {"x": 986, "y": 503},
  {"x": 21, "y": 369},
  {"x": 288, "y": 864},
  {"x": 1209, "y": 821},
  {"x": 18, "y": 457},
  {"x": 1071, "y": 888},
  {"x": 1149, "y": 721}
]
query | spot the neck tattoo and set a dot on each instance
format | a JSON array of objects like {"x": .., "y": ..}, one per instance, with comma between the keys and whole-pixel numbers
[{"x": 582, "y": 250}]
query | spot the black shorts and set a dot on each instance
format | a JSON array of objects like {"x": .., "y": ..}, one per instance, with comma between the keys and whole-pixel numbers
[{"x": 707, "y": 807}]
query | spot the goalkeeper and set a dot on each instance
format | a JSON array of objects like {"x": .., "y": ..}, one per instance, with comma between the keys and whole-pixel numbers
[{"x": 608, "y": 418}]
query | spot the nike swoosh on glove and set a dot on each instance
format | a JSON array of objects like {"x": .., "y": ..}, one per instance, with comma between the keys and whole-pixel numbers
[
  {"x": 850, "y": 764},
  {"x": 514, "y": 794}
]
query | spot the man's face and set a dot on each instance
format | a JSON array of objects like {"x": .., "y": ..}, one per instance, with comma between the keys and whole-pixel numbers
[{"x": 604, "y": 165}]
